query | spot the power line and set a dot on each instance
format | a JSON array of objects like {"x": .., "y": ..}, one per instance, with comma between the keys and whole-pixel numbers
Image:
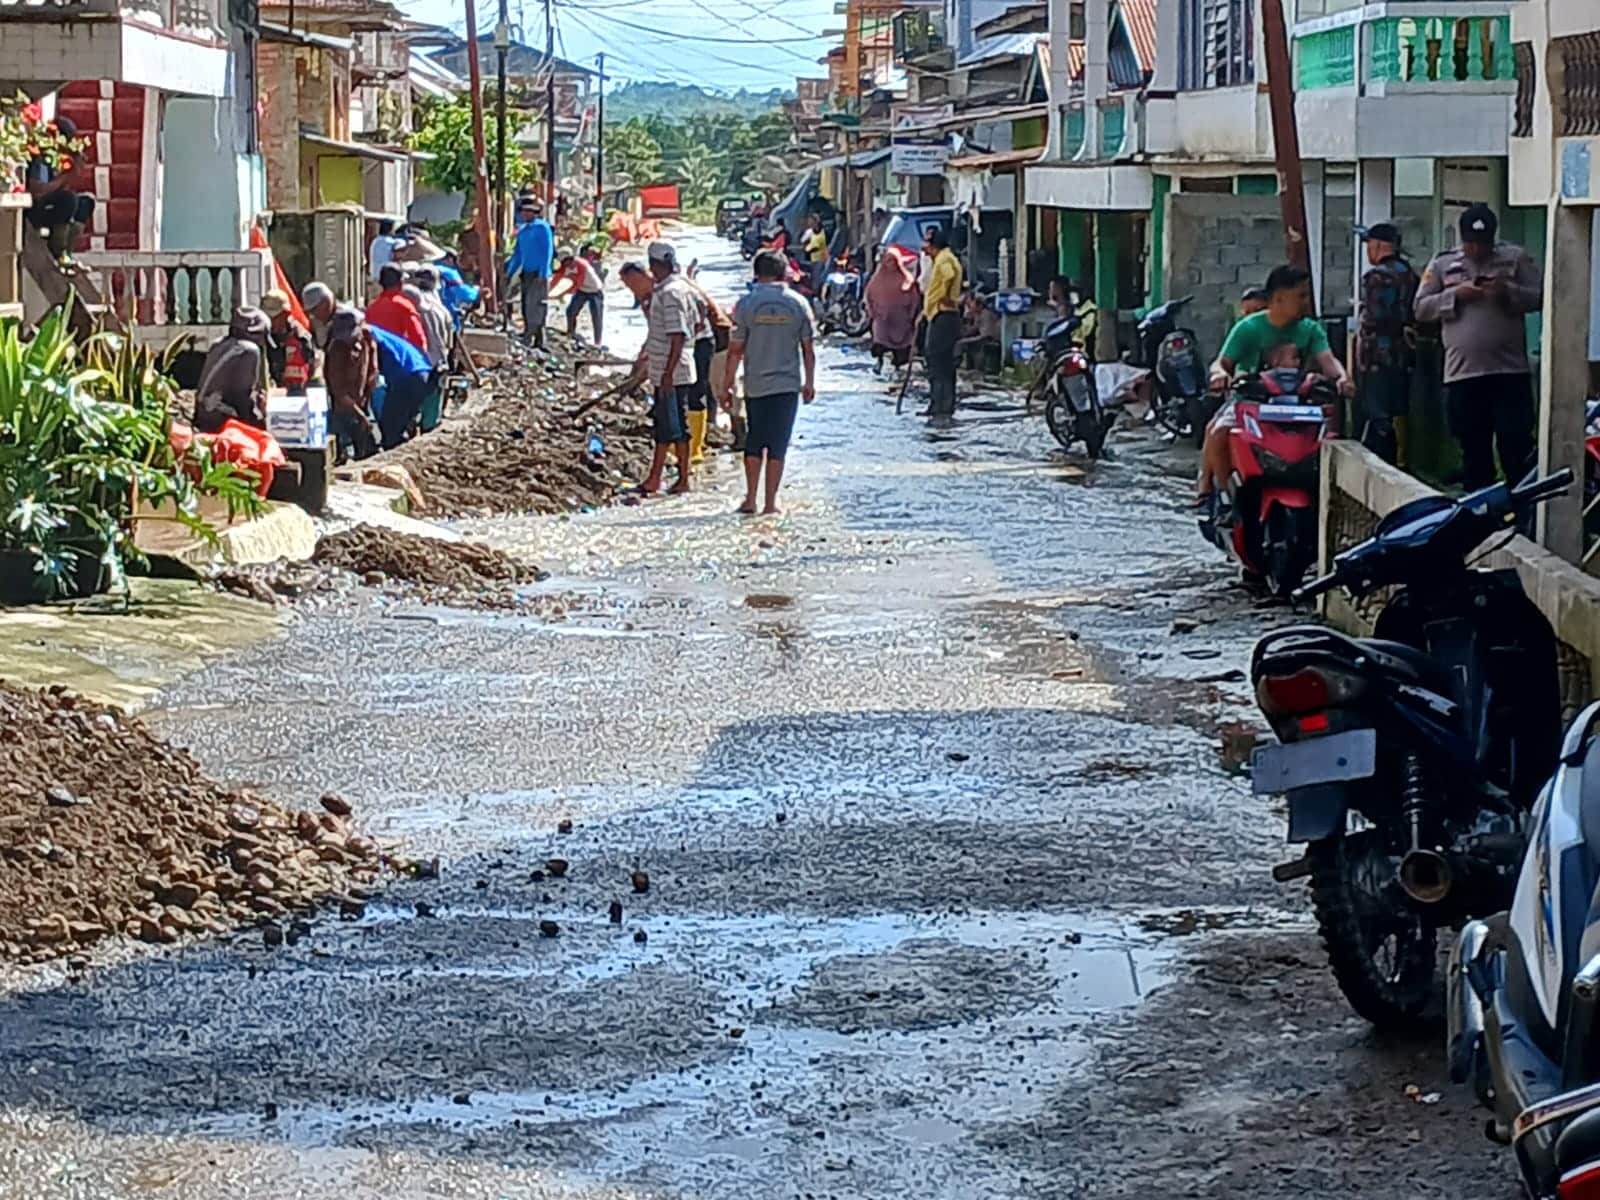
[
  {"x": 692, "y": 37},
  {"x": 659, "y": 68}
]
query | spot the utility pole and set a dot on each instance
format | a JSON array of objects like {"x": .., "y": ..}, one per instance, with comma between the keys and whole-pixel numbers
[
  {"x": 502, "y": 43},
  {"x": 489, "y": 262},
  {"x": 1286, "y": 137},
  {"x": 550, "y": 108},
  {"x": 600, "y": 146}
]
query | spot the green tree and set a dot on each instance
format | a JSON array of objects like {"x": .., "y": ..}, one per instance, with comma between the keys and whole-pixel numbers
[
  {"x": 446, "y": 133},
  {"x": 700, "y": 174},
  {"x": 632, "y": 150}
]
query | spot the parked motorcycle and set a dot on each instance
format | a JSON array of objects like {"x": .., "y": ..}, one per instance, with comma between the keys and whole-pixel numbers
[
  {"x": 842, "y": 302},
  {"x": 750, "y": 240},
  {"x": 1067, "y": 389},
  {"x": 1409, "y": 759},
  {"x": 1523, "y": 996},
  {"x": 1180, "y": 401},
  {"x": 1267, "y": 518}
]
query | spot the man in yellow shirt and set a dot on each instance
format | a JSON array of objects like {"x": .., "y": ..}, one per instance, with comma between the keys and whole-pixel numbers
[{"x": 942, "y": 318}]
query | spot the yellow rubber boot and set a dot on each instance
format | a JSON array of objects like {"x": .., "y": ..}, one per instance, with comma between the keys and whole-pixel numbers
[{"x": 697, "y": 436}]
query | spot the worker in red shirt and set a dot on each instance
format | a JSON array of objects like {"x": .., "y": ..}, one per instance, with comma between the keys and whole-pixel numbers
[{"x": 391, "y": 311}]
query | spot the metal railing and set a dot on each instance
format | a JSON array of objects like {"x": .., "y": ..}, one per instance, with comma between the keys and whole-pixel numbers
[
  {"x": 166, "y": 293},
  {"x": 195, "y": 16},
  {"x": 1527, "y": 67},
  {"x": 1579, "y": 102}
]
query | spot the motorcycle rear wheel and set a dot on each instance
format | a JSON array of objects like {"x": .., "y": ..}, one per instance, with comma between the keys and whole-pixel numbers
[
  {"x": 854, "y": 321},
  {"x": 1290, "y": 549},
  {"x": 1061, "y": 419},
  {"x": 1384, "y": 958}
]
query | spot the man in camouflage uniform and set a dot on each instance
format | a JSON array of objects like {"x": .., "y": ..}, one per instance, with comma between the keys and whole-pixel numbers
[{"x": 1384, "y": 342}]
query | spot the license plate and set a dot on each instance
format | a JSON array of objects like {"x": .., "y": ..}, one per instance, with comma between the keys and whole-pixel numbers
[
  {"x": 1289, "y": 412},
  {"x": 1331, "y": 759}
]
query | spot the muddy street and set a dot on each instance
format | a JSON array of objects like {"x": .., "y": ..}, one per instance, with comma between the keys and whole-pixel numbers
[{"x": 895, "y": 846}]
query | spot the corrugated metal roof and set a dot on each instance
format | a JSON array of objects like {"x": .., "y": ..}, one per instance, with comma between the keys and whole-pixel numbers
[
  {"x": 999, "y": 158},
  {"x": 1140, "y": 18},
  {"x": 1002, "y": 45}
]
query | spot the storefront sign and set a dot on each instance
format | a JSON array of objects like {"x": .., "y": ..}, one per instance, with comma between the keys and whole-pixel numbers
[{"x": 919, "y": 156}]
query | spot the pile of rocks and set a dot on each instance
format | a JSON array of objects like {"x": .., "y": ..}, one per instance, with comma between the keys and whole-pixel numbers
[
  {"x": 467, "y": 574},
  {"x": 106, "y": 830},
  {"x": 523, "y": 451}
]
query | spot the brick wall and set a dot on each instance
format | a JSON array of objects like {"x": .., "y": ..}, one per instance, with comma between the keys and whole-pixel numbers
[
  {"x": 1218, "y": 245},
  {"x": 280, "y": 124}
]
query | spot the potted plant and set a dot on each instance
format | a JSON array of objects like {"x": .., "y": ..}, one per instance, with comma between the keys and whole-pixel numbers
[
  {"x": 26, "y": 135},
  {"x": 85, "y": 431}
]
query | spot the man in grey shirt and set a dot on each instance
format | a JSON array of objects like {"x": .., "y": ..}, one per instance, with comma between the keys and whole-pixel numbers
[
  {"x": 772, "y": 335},
  {"x": 1479, "y": 293}
]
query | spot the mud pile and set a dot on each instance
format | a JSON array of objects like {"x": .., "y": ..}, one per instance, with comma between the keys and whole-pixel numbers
[
  {"x": 107, "y": 830},
  {"x": 459, "y": 573},
  {"x": 521, "y": 450}
]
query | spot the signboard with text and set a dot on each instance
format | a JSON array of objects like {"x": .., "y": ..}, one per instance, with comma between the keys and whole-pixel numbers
[{"x": 919, "y": 156}]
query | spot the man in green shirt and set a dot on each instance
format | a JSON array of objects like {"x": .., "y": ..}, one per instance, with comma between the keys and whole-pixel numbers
[{"x": 1249, "y": 347}]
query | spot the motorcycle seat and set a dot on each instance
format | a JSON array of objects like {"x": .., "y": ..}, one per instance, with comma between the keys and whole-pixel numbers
[
  {"x": 1305, "y": 645},
  {"x": 1579, "y": 1142}
]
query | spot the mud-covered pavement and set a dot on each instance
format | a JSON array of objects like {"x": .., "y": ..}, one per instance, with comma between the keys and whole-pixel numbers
[{"x": 952, "y": 888}]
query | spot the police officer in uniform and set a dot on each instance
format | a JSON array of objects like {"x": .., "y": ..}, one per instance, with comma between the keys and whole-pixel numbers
[
  {"x": 1479, "y": 293},
  {"x": 1385, "y": 339}
]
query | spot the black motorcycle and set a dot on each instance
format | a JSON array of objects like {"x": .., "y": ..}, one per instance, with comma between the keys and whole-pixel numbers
[
  {"x": 1066, "y": 387},
  {"x": 750, "y": 240},
  {"x": 1410, "y": 759},
  {"x": 1180, "y": 402},
  {"x": 842, "y": 301}
]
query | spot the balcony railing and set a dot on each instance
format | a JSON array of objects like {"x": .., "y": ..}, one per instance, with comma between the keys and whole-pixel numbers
[
  {"x": 1113, "y": 130},
  {"x": 1391, "y": 50},
  {"x": 167, "y": 293},
  {"x": 190, "y": 16}
]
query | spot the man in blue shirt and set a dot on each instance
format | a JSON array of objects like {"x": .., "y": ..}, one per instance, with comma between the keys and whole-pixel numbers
[
  {"x": 405, "y": 372},
  {"x": 532, "y": 256}
]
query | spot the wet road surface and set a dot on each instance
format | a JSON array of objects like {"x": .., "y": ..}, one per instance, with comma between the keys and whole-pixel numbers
[{"x": 952, "y": 891}]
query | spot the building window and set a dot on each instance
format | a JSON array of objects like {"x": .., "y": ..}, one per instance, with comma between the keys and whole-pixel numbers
[
  {"x": 1217, "y": 43},
  {"x": 1527, "y": 84}
]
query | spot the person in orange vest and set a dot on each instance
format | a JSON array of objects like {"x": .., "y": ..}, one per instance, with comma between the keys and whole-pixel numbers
[{"x": 291, "y": 355}]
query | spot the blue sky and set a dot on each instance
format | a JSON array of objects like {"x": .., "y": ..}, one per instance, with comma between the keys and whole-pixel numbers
[{"x": 748, "y": 41}]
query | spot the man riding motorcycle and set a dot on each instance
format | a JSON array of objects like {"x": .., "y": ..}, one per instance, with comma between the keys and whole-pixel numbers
[{"x": 1246, "y": 349}]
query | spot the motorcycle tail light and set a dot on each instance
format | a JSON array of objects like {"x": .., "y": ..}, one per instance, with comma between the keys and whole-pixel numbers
[
  {"x": 1315, "y": 723},
  {"x": 1307, "y": 691},
  {"x": 1580, "y": 1183},
  {"x": 1178, "y": 343}
]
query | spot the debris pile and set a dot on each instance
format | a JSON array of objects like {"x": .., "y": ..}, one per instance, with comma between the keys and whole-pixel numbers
[
  {"x": 107, "y": 830},
  {"x": 466, "y": 574},
  {"x": 522, "y": 450}
]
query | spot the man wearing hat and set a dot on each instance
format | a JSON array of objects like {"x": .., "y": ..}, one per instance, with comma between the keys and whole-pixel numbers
[
  {"x": 532, "y": 256},
  {"x": 1479, "y": 293},
  {"x": 233, "y": 379},
  {"x": 1384, "y": 340},
  {"x": 291, "y": 356}
]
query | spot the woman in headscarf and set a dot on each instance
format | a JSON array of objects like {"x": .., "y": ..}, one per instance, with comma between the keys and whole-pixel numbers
[{"x": 893, "y": 302}]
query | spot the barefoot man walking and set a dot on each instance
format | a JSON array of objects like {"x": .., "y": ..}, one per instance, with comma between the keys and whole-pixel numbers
[{"x": 772, "y": 336}]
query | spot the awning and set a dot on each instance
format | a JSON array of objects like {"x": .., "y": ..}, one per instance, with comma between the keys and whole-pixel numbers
[
  {"x": 861, "y": 160},
  {"x": 999, "y": 160},
  {"x": 356, "y": 149},
  {"x": 271, "y": 31},
  {"x": 1092, "y": 187},
  {"x": 977, "y": 116}
]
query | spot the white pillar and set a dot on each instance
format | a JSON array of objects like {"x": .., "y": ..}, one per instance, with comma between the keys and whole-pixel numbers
[
  {"x": 1096, "y": 70},
  {"x": 1060, "y": 17},
  {"x": 1313, "y": 172},
  {"x": 1564, "y": 372},
  {"x": 1374, "y": 203}
]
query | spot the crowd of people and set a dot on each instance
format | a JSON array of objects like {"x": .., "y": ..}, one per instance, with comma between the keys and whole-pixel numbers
[{"x": 384, "y": 364}]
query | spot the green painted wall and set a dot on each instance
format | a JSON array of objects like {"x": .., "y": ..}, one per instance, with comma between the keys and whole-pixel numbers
[
  {"x": 1027, "y": 133},
  {"x": 1162, "y": 185},
  {"x": 1255, "y": 185},
  {"x": 1072, "y": 239}
]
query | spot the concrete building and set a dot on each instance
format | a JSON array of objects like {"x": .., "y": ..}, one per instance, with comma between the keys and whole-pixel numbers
[{"x": 1553, "y": 147}]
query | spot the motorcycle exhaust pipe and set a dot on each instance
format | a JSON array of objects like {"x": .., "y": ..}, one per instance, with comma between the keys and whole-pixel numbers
[{"x": 1426, "y": 876}]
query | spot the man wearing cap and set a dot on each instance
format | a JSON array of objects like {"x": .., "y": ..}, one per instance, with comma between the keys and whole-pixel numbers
[
  {"x": 1479, "y": 293},
  {"x": 233, "y": 379},
  {"x": 669, "y": 363},
  {"x": 1384, "y": 340},
  {"x": 291, "y": 355},
  {"x": 532, "y": 256}
]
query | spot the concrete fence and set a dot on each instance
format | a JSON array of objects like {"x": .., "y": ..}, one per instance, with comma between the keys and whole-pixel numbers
[{"x": 1358, "y": 489}]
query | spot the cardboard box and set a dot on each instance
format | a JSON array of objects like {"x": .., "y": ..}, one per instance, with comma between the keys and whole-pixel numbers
[{"x": 298, "y": 420}]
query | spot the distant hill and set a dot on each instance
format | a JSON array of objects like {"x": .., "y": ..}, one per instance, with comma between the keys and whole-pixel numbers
[{"x": 676, "y": 101}]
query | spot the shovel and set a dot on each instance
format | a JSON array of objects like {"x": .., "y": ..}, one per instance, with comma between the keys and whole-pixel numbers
[{"x": 628, "y": 384}]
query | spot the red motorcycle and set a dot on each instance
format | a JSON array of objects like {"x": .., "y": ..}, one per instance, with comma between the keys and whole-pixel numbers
[{"x": 1268, "y": 519}]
